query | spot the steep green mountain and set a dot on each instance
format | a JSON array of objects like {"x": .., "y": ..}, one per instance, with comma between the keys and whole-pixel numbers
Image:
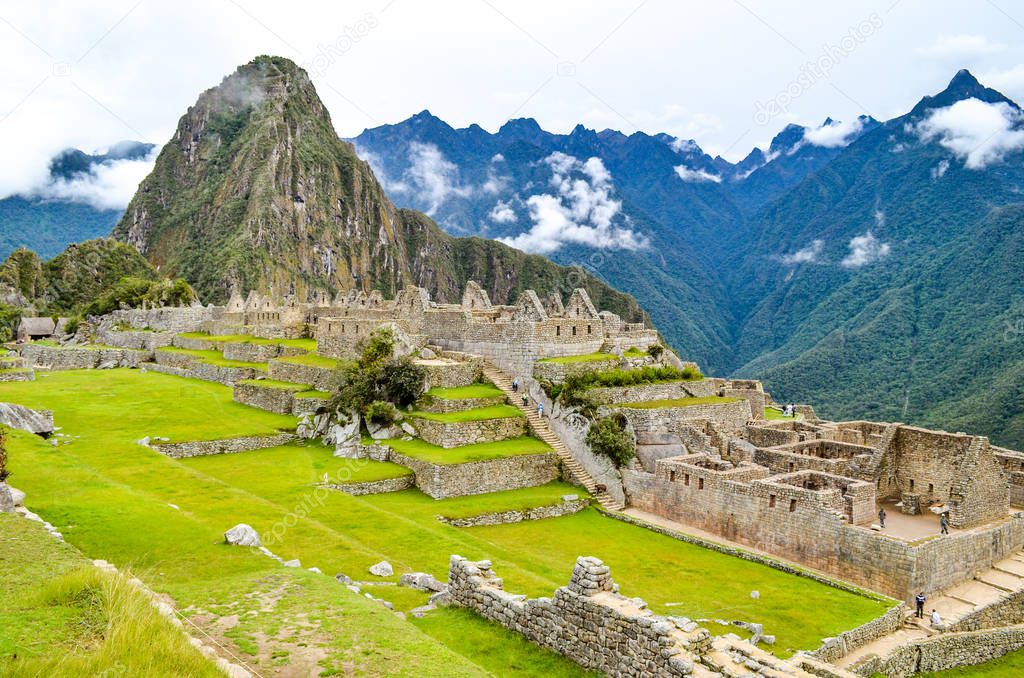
[{"x": 256, "y": 191}]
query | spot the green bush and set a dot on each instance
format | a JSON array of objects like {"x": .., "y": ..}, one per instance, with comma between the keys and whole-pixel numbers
[
  {"x": 609, "y": 437},
  {"x": 656, "y": 350},
  {"x": 381, "y": 413},
  {"x": 132, "y": 292},
  {"x": 377, "y": 376}
]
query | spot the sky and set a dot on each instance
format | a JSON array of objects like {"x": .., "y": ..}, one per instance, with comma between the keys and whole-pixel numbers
[{"x": 729, "y": 74}]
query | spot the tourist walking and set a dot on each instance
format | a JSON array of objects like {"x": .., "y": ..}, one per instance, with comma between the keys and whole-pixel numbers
[
  {"x": 944, "y": 523},
  {"x": 526, "y": 400},
  {"x": 515, "y": 385},
  {"x": 881, "y": 517},
  {"x": 540, "y": 409},
  {"x": 919, "y": 599}
]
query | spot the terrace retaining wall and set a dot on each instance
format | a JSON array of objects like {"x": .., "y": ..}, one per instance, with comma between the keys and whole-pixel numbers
[
  {"x": 945, "y": 651},
  {"x": 375, "y": 486},
  {"x": 456, "y": 434},
  {"x": 319, "y": 378},
  {"x": 565, "y": 508},
  {"x": 442, "y": 481},
  {"x": 558, "y": 372},
  {"x": 276, "y": 400},
  {"x": 83, "y": 358},
  {"x": 664, "y": 391},
  {"x": 202, "y": 448},
  {"x": 447, "y": 405}
]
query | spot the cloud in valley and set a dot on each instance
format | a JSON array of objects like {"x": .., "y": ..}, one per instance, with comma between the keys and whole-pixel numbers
[
  {"x": 865, "y": 249},
  {"x": 806, "y": 255},
  {"x": 580, "y": 211},
  {"x": 695, "y": 175},
  {"x": 977, "y": 132},
  {"x": 107, "y": 186}
]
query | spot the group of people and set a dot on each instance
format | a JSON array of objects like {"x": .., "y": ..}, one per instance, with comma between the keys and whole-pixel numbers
[
  {"x": 789, "y": 410},
  {"x": 943, "y": 520},
  {"x": 526, "y": 398},
  {"x": 935, "y": 617}
]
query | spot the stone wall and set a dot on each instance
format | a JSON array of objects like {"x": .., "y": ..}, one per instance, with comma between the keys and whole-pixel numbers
[
  {"x": 247, "y": 352},
  {"x": 319, "y": 378},
  {"x": 277, "y": 400},
  {"x": 375, "y": 486},
  {"x": 1003, "y": 612},
  {"x": 442, "y": 481},
  {"x": 17, "y": 374},
  {"x": 83, "y": 358},
  {"x": 665, "y": 391},
  {"x": 558, "y": 372},
  {"x": 456, "y": 434},
  {"x": 450, "y": 374},
  {"x": 137, "y": 339},
  {"x": 446, "y": 405},
  {"x": 183, "y": 319},
  {"x": 201, "y": 448},
  {"x": 170, "y": 363},
  {"x": 1013, "y": 466},
  {"x": 565, "y": 508},
  {"x": 587, "y": 621},
  {"x": 729, "y": 416},
  {"x": 834, "y": 649},
  {"x": 945, "y": 651},
  {"x": 812, "y": 533},
  {"x": 307, "y": 405}
]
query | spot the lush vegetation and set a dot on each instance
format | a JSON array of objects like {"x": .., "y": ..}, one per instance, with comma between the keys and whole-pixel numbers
[
  {"x": 677, "y": 402},
  {"x": 134, "y": 292},
  {"x": 512, "y": 447},
  {"x": 608, "y": 436},
  {"x": 378, "y": 376}
]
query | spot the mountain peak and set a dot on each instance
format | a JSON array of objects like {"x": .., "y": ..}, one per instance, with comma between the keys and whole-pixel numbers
[
  {"x": 963, "y": 86},
  {"x": 963, "y": 79}
]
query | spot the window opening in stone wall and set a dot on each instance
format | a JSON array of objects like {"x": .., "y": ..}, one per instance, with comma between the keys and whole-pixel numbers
[
  {"x": 700, "y": 483},
  {"x": 771, "y": 501},
  {"x": 792, "y": 505}
]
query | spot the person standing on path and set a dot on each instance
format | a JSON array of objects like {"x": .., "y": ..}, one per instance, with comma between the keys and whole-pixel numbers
[
  {"x": 944, "y": 523},
  {"x": 881, "y": 517},
  {"x": 919, "y": 600},
  {"x": 540, "y": 409}
]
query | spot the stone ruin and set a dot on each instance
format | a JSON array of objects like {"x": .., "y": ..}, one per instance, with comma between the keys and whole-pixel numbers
[{"x": 594, "y": 625}]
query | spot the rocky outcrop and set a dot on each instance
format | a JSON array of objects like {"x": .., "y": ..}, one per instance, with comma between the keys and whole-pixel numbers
[{"x": 23, "y": 418}]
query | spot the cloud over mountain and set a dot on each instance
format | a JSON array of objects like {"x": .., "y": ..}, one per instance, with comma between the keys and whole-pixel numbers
[{"x": 977, "y": 132}]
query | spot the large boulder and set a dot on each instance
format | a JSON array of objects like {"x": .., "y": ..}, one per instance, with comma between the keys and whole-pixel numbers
[
  {"x": 20, "y": 417},
  {"x": 422, "y": 581},
  {"x": 242, "y": 535},
  {"x": 382, "y": 569},
  {"x": 17, "y": 496},
  {"x": 6, "y": 501}
]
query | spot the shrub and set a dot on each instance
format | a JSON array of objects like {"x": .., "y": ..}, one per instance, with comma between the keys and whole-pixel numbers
[
  {"x": 656, "y": 350},
  {"x": 377, "y": 376},
  {"x": 402, "y": 381},
  {"x": 381, "y": 413},
  {"x": 609, "y": 437}
]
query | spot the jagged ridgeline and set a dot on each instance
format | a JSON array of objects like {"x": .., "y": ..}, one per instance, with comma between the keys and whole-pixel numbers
[{"x": 255, "y": 191}]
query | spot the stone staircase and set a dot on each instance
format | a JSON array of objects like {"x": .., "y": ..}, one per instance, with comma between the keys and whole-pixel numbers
[
  {"x": 1005, "y": 579},
  {"x": 544, "y": 432}
]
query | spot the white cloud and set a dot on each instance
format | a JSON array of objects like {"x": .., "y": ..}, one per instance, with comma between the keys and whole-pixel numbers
[
  {"x": 431, "y": 176},
  {"x": 580, "y": 211},
  {"x": 805, "y": 255},
  {"x": 691, "y": 175},
  {"x": 835, "y": 134},
  {"x": 497, "y": 157},
  {"x": 865, "y": 249},
  {"x": 502, "y": 213},
  {"x": 939, "y": 170},
  {"x": 977, "y": 132},
  {"x": 107, "y": 186},
  {"x": 959, "y": 46},
  {"x": 1010, "y": 81},
  {"x": 684, "y": 146}
]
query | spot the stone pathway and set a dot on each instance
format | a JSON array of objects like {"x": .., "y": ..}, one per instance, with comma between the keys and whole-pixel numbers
[
  {"x": 1003, "y": 580},
  {"x": 544, "y": 432}
]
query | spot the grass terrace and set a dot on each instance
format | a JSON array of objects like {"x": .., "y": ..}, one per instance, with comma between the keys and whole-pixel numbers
[
  {"x": 634, "y": 352},
  {"x": 512, "y": 447},
  {"x": 215, "y": 358},
  {"x": 586, "y": 358},
  {"x": 15, "y": 370},
  {"x": 321, "y": 395},
  {"x": 311, "y": 360},
  {"x": 466, "y": 392},
  {"x": 677, "y": 402},
  {"x": 302, "y": 343},
  {"x": 771, "y": 414},
  {"x": 479, "y": 414}
]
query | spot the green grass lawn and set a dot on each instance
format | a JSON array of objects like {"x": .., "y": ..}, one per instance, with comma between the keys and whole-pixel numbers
[
  {"x": 314, "y": 459},
  {"x": 15, "y": 370},
  {"x": 112, "y": 498},
  {"x": 303, "y": 343},
  {"x": 1007, "y": 666},
  {"x": 772, "y": 414},
  {"x": 512, "y": 447},
  {"x": 213, "y": 358},
  {"x": 677, "y": 402},
  {"x": 463, "y": 392},
  {"x": 275, "y": 384},
  {"x": 634, "y": 352},
  {"x": 322, "y": 395},
  {"x": 586, "y": 358},
  {"x": 311, "y": 360},
  {"x": 60, "y": 616},
  {"x": 478, "y": 414}
]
